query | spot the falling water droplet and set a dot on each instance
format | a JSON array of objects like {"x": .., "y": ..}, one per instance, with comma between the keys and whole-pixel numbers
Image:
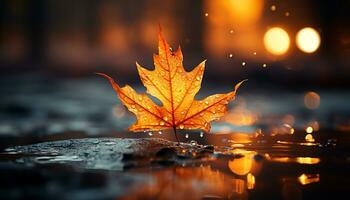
[
  {"x": 159, "y": 132},
  {"x": 201, "y": 134},
  {"x": 150, "y": 133},
  {"x": 186, "y": 136}
]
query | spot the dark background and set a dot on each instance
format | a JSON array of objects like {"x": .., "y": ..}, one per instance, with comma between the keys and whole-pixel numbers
[{"x": 77, "y": 38}]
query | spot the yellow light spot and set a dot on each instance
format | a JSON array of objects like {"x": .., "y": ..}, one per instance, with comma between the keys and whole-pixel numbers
[
  {"x": 312, "y": 100},
  {"x": 292, "y": 131},
  {"x": 307, "y": 160},
  {"x": 230, "y": 55},
  {"x": 305, "y": 179},
  {"x": 287, "y": 14},
  {"x": 254, "y": 53},
  {"x": 243, "y": 63},
  {"x": 276, "y": 41},
  {"x": 308, "y": 40},
  {"x": 264, "y": 65},
  {"x": 231, "y": 31},
  {"x": 309, "y": 138},
  {"x": 309, "y": 129},
  {"x": 206, "y": 14},
  {"x": 250, "y": 181},
  {"x": 241, "y": 166},
  {"x": 273, "y": 8}
]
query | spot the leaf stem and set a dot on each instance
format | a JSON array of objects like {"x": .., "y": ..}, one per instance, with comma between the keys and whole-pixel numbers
[{"x": 177, "y": 139}]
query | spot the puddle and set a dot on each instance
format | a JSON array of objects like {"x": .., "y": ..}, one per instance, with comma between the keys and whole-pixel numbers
[{"x": 243, "y": 168}]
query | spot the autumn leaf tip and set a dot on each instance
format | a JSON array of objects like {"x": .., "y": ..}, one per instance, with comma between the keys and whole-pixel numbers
[
  {"x": 240, "y": 83},
  {"x": 101, "y": 74}
]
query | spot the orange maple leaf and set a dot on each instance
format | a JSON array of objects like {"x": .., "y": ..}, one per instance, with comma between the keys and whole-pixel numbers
[{"x": 176, "y": 89}]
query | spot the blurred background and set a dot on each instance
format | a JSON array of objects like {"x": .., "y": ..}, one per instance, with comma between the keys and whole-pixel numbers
[
  {"x": 80, "y": 37},
  {"x": 296, "y": 55}
]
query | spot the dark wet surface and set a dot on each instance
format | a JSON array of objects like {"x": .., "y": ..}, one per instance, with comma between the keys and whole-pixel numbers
[{"x": 71, "y": 147}]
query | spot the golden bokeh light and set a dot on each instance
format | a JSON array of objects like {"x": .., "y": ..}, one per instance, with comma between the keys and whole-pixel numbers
[
  {"x": 312, "y": 100},
  {"x": 241, "y": 166},
  {"x": 309, "y": 129},
  {"x": 276, "y": 41},
  {"x": 309, "y": 138},
  {"x": 308, "y": 40},
  {"x": 250, "y": 181},
  {"x": 305, "y": 179},
  {"x": 228, "y": 17},
  {"x": 308, "y": 160},
  {"x": 273, "y": 8}
]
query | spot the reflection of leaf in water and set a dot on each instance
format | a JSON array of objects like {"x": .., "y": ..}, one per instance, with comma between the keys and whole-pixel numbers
[{"x": 190, "y": 183}]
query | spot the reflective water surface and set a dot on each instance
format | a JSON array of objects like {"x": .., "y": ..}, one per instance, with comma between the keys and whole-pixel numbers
[{"x": 290, "y": 147}]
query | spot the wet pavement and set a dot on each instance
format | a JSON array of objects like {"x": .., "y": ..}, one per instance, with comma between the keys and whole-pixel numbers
[{"x": 57, "y": 143}]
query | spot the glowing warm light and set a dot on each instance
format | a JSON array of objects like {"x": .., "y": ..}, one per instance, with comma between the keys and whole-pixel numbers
[
  {"x": 305, "y": 179},
  {"x": 250, "y": 181},
  {"x": 206, "y": 14},
  {"x": 228, "y": 17},
  {"x": 307, "y": 160},
  {"x": 243, "y": 63},
  {"x": 241, "y": 138},
  {"x": 308, "y": 40},
  {"x": 276, "y": 41},
  {"x": 264, "y": 65},
  {"x": 300, "y": 160},
  {"x": 287, "y": 14},
  {"x": 254, "y": 53},
  {"x": 273, "y": 8},
  {"x": 309, "y": 138},
  {"x": 246, "y": 11},
  {"x": 309, "y": 129},
  {"x": 292, "y": 131},
  {"x": 240, "y": 115},
  {"x": 230, "y": 55},
  {"x": 241, "y": 166},
  {"x": 312, "y": 100}
]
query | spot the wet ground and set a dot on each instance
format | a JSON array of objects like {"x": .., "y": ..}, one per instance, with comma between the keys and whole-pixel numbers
[{"x": 57, "y": 143}]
